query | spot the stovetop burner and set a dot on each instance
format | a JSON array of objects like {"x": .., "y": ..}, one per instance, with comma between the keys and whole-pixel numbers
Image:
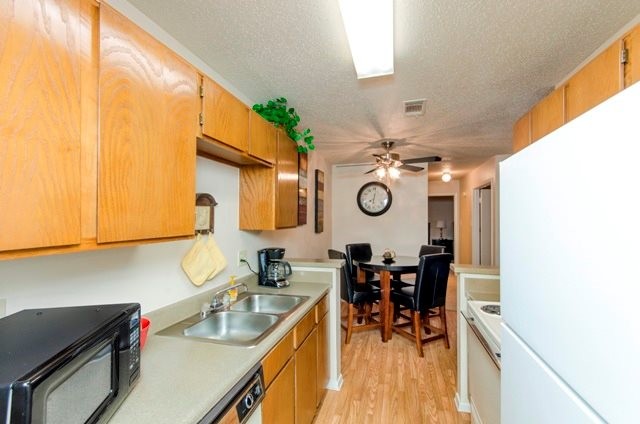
[{"x": 491, "y": 309}]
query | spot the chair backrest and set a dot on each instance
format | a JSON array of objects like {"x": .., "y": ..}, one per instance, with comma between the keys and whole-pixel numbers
[
  {"x": 430, "y": 249},
  {"x": 346, "y": 289},
  {"x": 357, "y": 251},
  {"x": 431, "y": 281}
]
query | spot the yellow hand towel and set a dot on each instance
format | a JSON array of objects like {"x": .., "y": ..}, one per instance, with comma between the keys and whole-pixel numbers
[
  {"x": 198, "y": 262},
  {"x": 217, "y": 256}
]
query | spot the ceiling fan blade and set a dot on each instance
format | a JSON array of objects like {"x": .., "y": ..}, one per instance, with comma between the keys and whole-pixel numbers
[
  {"x": 370, "y": 171},
  {"x": 422, "y": 160},
  {"x": 410, "y": 168}
]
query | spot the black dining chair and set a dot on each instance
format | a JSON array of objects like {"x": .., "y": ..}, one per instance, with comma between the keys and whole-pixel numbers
[
  {"x": 429, "y": 292},
  {"x": 430, "y": 249},
  {"x": 359, "y": 299},
  {"x": 362, "y": 251}
]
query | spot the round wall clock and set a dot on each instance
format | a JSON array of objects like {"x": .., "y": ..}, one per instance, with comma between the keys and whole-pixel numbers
[{"x": 374, "y": 198}]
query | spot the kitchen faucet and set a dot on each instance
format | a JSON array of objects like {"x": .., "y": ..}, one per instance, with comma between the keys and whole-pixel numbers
[{"x": 217, "y": 303}]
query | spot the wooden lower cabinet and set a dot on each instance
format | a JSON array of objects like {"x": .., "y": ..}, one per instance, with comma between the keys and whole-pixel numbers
[
  {"x": 306, "y": 360},
  {"x": 296, "y": 370},
  {"x": 323, "y": 359},
  {"x": 278, "y": 404}
]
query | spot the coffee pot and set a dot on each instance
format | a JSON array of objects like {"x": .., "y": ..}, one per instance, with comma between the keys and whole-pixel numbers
[{"x": 272, "y": 270}]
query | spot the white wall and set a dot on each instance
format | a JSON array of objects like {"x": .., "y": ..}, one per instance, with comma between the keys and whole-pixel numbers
[
  {"x": 402, "y": 228},
  {"x": 151, "y": 274}
]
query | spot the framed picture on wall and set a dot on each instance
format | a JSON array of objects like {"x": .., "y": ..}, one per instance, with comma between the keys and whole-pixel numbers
[
  {"x": 319, "y": 192},
  {"x": 302, "y": 188}
]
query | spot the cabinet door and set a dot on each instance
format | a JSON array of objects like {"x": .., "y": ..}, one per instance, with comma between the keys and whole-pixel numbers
[
  {"x": 547, "y": 115},
  {"x": 148, "y": 128},
  {"x": 287, "y": 192},
  {"x": 226, "y": 118},
  {"x": 278, "y": 404},
  {"x": 632, "y": 67},
  {"x": 40, "y": 187},
  {"x": 522, "y": 133},
  {"x": 262, "y": 138},
  {"x": 306, "y": 360},
  {"x": 323, "y": 358},
  {"x": 597, "y": 81}
]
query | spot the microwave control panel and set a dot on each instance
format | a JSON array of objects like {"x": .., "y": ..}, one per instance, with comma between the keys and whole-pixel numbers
[{"x": 134, "y": 341}]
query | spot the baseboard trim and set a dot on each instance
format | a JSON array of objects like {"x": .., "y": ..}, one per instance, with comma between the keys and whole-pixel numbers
[{"x": 462, "y": 406}]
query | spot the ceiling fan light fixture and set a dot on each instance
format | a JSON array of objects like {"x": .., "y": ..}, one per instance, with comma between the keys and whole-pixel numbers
[
  {"x": 381, "y": 172},
  {"x": 369, "y": 28},
  {"x": 446, "y": 176},
  {"x": 393, "y": 172}
]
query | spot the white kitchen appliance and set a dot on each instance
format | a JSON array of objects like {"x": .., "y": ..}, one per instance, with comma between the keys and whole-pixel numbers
[
  {"x": 483, "y": 356},
  {"x": 569, "y": 242}
]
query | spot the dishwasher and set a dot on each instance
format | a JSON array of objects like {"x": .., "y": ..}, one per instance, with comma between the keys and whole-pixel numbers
[{"x": 241, "y": 405}]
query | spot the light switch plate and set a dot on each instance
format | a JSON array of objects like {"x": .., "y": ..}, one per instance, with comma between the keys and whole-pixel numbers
[{"x": 3, "y": 307}]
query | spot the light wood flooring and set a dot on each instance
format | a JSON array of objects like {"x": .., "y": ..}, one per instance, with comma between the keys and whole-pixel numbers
[{"x": 389, "y": 383}]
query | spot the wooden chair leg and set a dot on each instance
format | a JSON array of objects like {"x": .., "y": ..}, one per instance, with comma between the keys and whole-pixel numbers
[
  {"x": 349, "y": 323},
  {"x": 443, "y": 318},
  {"x": 367, "y": 313},
  {"x": 426, "y": 322},
  {"x": 360, "y": 313},
  {"x": 417, "y": 324}
]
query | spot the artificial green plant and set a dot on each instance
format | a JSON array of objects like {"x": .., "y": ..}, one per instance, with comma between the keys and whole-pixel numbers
[{"x": 276, "y": 111}]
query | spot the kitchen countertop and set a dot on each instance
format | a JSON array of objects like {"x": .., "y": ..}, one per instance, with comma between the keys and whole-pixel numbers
[
  {"x": 475, "y": 269},
  {"x": 316, "y": 263},
  {"x": 182, "y": 379}
]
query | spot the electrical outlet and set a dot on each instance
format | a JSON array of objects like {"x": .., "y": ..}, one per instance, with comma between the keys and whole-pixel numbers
[{"x": 242, "y": 256}]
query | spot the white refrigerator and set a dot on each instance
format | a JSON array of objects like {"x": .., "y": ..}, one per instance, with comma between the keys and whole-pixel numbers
[{"x": 570, "y": 271}]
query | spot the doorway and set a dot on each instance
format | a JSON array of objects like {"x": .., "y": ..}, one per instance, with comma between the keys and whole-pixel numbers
[
  {"x": 482, "y": 225},
  {"x": 442, "y": 222}
]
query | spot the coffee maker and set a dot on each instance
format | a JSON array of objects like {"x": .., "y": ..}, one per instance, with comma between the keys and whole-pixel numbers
[{"x": 272, "y": 270}]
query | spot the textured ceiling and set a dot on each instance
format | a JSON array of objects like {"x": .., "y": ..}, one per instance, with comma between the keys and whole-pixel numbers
[{"x": 479, "y": 63}]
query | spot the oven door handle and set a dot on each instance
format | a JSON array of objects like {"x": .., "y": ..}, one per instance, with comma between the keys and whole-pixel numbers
[{"x": 495, "y": 356}]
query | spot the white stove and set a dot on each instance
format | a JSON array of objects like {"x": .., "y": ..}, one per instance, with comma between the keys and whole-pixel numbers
[{"x": 486, "y": 317}]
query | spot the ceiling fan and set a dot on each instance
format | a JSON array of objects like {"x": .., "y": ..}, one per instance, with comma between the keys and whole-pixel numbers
[{"x": 388, "y": 160}]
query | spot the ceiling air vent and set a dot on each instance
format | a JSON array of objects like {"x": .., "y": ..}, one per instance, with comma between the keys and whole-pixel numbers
[{"x": 414, "y": 107}]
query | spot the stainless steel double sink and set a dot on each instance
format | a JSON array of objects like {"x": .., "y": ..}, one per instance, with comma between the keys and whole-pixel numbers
[{"x": 245, "y": 323}]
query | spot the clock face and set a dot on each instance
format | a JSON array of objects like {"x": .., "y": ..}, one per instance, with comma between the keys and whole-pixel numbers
[{"x": 374, "y": 198}]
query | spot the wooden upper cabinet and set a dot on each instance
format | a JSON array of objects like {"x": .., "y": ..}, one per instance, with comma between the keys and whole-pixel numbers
[
  {"x": 522, "y": 133},
  {"x": 597, "y": 81},
  {"x": 269, "y": 196},
  {"x": 632, "y": 67},
  {"x": 40, "y": 187},
  {"x": 548, "y": 114},
  {"x": 287, "y": 192},
  {"x": 224, "y": 118},
  {"x": 148, "y": 127},
  {"x": 262, "y": 138}
]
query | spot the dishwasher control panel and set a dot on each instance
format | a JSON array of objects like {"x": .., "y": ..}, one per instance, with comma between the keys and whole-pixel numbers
[{"x": 251, "y": 396}]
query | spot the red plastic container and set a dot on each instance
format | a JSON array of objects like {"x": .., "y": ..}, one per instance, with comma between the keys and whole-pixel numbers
[{"x": 144, "y": 329}]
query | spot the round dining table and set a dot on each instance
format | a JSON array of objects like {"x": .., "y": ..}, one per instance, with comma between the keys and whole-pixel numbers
[{"x": 377, "y": 264}]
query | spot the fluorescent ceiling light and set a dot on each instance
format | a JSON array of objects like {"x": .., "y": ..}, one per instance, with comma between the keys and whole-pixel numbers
[{"x": 369, "y": 27}]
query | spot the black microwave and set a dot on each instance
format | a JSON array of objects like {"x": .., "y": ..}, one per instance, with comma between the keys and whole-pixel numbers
[{"x": 68, "y": 365}]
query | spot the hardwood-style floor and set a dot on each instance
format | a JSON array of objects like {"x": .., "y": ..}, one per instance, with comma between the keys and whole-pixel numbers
[{"x": 389, "y": 383}]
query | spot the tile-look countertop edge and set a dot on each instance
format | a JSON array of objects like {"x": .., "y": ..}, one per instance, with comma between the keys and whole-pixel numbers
[
  {"x": 315, "y": 263},
  {"x": 475, "y": 269},
  {"x": 182, "y": 379}
]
